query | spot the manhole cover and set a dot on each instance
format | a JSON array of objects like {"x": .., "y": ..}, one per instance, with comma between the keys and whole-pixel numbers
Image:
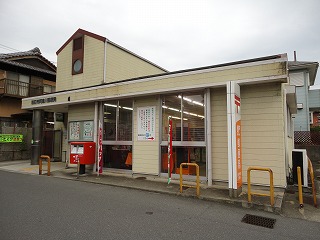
[{"x": 259, "y": 221}]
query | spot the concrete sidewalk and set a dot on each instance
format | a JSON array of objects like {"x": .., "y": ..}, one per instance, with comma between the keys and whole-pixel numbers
[{"x": 286, "y": 204}]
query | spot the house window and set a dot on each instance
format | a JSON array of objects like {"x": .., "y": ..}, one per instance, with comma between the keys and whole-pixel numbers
[
  {"x": 77, "y": 55},
  {"x": 18, "y": 84},
  {"x": 48, "y": 89},
  {"x": 310, "y": 117}
]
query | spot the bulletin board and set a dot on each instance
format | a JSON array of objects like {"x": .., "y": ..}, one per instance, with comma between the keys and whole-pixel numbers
[{"x": 81, "y": 130}]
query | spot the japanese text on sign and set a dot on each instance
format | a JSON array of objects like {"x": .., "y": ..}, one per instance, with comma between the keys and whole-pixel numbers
[
  {"x": 146, "y": 123},
  {"x": 9, "y": 138}
]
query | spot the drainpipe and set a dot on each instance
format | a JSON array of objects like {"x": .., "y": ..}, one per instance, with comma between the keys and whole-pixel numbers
[
  {"x": 95, "y": 136},
  {"x": 105, "y": 62},
  {"x": 208, "y": 129}
]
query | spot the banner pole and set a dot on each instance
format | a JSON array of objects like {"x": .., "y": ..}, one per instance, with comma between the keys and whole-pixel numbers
[{"x": 169, "y": 148}]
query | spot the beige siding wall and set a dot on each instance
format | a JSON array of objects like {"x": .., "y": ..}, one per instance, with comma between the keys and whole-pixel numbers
[
  {"x": 146, "y": 153},
  {"x": 92, "y": 69},
  {"x": 169, "y": 83},
  {"x": 123, "y": 65},
  {"x": 263, "y": 132},
  {"x": 219, "y": 133},
  {"x": 78, "y": 112},
  {"x": 81, "y": 112},
  {"x": 64, "y": 67}
]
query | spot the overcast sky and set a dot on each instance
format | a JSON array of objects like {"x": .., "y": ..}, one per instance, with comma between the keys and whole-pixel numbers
[{"x": 175, "y": 34}]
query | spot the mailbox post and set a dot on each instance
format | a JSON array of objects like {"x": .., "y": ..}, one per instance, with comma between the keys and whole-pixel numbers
[{"x": 84, "y": 152}]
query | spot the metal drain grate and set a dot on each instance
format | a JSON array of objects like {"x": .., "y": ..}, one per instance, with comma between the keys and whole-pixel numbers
[{"x": 259, "y": 221}]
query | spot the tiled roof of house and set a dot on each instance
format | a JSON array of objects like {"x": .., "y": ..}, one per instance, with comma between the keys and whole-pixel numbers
[
  {"x": 11, "y": 57},
  {"x": 18, "y": 64}
]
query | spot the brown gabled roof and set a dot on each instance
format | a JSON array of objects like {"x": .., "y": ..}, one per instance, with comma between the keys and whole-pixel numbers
[{"x": 80, "y": 32}]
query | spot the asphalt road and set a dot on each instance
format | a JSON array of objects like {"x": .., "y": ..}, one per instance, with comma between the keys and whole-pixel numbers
[{"x": 41, "y": 207}]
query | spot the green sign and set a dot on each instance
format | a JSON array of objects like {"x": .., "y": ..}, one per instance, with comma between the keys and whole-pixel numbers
[{"x": 9, "y": 138}]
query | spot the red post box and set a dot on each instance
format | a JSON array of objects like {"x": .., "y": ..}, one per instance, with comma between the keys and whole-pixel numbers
[{"x": 84, "y": 152}]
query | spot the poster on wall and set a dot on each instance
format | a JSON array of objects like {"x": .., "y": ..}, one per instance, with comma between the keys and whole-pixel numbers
[
  {"x": 87, "y": 130},
  {"x": 81, "y": 131},
  {"x": 146, "y": 123},
  {"x": 74, "y": 130}
]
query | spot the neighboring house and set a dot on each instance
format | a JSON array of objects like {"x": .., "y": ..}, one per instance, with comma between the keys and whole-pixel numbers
[
  {"x": 22, "y": 74},
  {"x": 124, "y": 103},
  {"x": 302, "y": 75},
  {"x": 314, "y": 107}
]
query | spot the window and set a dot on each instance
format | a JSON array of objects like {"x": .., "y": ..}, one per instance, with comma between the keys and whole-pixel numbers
[
  {"x": 77, "y": 55},
  {"x": 310, "y": 117},
  {"x": 18, "y": 84},
  {"x": 48, "y": 89},
  {"x": 77, "y": 44},
  {"x": 186, "y": 110},
  {"x": 188, "y": 131},
  {"x": 118, "y": 134}
]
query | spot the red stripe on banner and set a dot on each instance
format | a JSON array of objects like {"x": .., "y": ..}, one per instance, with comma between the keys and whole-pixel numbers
[{"x": 237, "y": 100}]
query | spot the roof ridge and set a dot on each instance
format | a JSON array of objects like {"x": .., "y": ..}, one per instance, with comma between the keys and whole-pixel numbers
[{"x": 33, "y": 52}]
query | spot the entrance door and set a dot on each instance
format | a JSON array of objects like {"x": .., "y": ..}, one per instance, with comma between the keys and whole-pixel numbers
[
  {"x": 52, "y": 144},
  {"x": 186, "y": 111}
]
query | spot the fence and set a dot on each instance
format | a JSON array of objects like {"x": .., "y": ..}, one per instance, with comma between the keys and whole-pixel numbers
[
  {"x": 306, "y": 138},
  {"x": 309, "y": 140},
  {"x": 16, "y": 150}
]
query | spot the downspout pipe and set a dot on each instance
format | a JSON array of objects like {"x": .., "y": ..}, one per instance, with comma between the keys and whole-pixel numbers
[
  {"x": 105, "y": 62},
  {"x": 208, "y": 129}
]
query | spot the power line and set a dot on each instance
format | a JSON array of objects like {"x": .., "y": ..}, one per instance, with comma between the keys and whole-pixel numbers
[
  {"x": 8, "y": 48},
  {"x": 16, "y": 50}
]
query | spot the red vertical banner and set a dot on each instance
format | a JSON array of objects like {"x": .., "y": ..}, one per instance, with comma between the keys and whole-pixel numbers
[
  {"x": 100, "y": 161},
  {"x": 170, "y": 163},
  {"x": 238, "y": 154}
]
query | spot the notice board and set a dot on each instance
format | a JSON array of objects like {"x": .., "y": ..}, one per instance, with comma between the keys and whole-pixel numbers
[
  {"x": 146, "y": 123},
  {"x": 81, "y": 130}
]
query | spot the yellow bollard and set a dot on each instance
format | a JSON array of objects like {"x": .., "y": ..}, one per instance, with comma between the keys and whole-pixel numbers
[
  {"x": 47, "y": 158},
  {"x": 310, "y": 167},
  {"x": 260, "y": 194},
  {"x": 197, "y": 180},
  {"x": 300, "y": 187}
]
